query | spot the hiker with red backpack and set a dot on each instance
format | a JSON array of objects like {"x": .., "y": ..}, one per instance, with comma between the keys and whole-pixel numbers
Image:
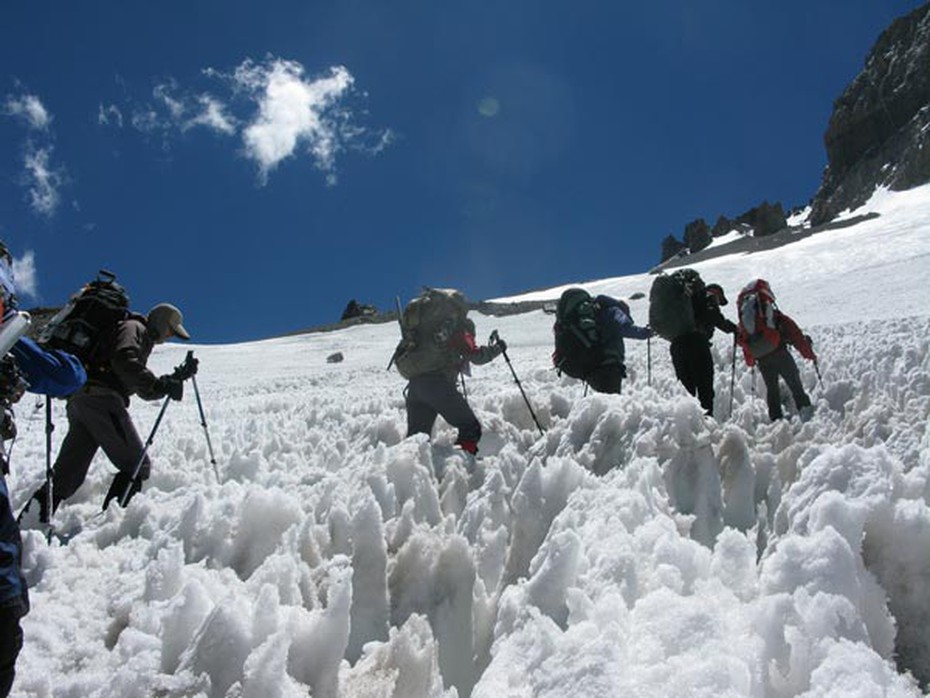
[
  {"x": 437, "y": 344},
  {"x": 764, "y": 334},
  {"x": 685, "y": 311},
  {"x": 97, "y": 414}
]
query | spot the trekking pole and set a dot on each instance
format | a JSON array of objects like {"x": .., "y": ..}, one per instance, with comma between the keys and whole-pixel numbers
[
  {"x": 819, "y": 377},
  {"x": 733, "y": 376},
  {"x": 203, "y": 423},
  {"x": 494, "y": 339},
  {"x": 124, "y": 498},
  {"x": 649, "y": 361},
  {"x": 400, "y": 321},
  {"x": 49, "y": 480}
]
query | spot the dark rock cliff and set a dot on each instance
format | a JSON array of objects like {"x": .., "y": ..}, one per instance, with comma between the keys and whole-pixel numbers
[{"x": 879, "y": 133}]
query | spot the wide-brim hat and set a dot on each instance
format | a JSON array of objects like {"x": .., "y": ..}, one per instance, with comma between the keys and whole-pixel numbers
[{"x": 165, "y": 318}]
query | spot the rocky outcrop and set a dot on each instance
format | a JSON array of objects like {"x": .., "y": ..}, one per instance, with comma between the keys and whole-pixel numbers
[{"x": 879, "y": 133}]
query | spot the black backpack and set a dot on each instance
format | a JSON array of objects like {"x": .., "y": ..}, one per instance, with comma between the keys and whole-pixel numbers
[
  {"x": 578, "y": 346},
  {"x": 671, "y": 303},
  {"x": 89, "y": 320}
]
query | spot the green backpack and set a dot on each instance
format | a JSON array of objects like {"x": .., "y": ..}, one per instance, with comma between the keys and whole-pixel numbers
[{"x": 427, "y": 324}]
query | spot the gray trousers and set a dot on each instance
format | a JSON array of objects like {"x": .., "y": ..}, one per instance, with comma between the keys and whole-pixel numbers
[
  {"x": 780, "y": 364},
  {"x": 97, "y": 418}
]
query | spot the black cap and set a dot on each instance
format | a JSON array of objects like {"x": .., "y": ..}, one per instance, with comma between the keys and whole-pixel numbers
[{"x": 717, "y": 290}]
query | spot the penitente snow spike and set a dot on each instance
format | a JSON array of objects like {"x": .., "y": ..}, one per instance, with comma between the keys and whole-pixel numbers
[{"x": 494, "y": 339}]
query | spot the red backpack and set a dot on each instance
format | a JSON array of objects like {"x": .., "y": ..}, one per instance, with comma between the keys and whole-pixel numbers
[{"x": 758, "y": 318}]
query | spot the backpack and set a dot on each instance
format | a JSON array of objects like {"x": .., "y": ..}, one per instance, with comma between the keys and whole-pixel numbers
[
  {"x": 427, "y": 324},
  {"x": 89, "y": 319},
  {"x": 578, "y": 346},
  {"x": 758, "y": 319},
  {"x": 671, "y": 303}
]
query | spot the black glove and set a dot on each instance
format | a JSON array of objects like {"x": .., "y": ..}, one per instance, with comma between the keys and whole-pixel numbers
[
  {"x": 496, "y": 343},
  {"x": 171, "y": 386},
  {"x": 810, "y": 342},
  {"x": 188, "y": 369}
]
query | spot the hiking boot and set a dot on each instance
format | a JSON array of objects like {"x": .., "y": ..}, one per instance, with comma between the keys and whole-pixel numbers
[
  {"x": 805, "y": 413},
  {"x": 34, "y": 515}
]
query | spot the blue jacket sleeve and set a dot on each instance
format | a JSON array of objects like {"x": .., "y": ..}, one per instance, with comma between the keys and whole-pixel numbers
[
  {"x": 49, "y": 372},
  {"x": 626, "y": 326}
]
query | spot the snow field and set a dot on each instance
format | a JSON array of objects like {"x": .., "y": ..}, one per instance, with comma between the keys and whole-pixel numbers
[{"x": 637, "y": 548}]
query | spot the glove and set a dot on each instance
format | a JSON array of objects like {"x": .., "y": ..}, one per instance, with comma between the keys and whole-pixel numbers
[
  {"x": 498, "y": 344},
  {"x": 171, "y": 386},
  {"x": 188, "y": 369},
  {"x": 810, "y": 342}
]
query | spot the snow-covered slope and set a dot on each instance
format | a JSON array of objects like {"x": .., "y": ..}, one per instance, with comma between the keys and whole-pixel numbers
[{"x": 634, "y": 549}]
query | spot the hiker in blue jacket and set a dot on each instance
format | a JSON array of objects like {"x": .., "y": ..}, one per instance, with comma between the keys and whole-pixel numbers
[
  {"x": 27, "y": 367},
  {"x": 614, "y": 322}
]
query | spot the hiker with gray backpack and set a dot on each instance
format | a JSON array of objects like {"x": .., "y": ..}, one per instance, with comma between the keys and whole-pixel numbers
[
  {"x": 589, "y": 335},
  {"x": 686, "y": 311},
  {"x": 437, "y": 344}
]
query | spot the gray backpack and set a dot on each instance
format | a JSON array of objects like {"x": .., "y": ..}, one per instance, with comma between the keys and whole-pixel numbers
[
  {"x": 427, "y": 324},
  {"x": 671, "y": 303}
]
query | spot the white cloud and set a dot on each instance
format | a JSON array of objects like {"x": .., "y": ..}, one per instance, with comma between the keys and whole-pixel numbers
[
  {"x": 30, "y": 109},
  {"x": 276, "y": 108},
  {"x": 24, "y": 270},
  {"x": 110, "y": 116},
  {"x": 175, "y": 110},
  {"x": 293, "y": 112},
  {"x": 44, "y": 181},
  {"x": 212, "y": 115}
]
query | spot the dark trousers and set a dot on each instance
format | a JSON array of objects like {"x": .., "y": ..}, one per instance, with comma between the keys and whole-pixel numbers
[
  {"x": 435, "y": 394},
  {"x": 780, "y": 364},
  {"x": 11, "y": 642},
  {"x": 694, "y": 367},
  {"x": 97, "y": 418},
  {"x": 607, "y": 378}
]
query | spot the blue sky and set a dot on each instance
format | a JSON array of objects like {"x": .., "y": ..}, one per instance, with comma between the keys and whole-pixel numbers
[{"x": 261, "y": 164}]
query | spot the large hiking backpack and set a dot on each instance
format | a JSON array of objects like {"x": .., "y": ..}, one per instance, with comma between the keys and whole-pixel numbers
[
  {"x": 758, "y": 320},
  {"x": 671, "y": 303},
  {"x": 427, "y": 324},
  {"x": 578, "y": 345},
  {"x": 89, "y": 319}
]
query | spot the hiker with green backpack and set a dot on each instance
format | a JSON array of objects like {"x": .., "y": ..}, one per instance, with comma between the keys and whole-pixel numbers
[
  {"x": 589, "y": 335},
  {"x": 437, "y": 344},
  {"x": 686, "y": 311}
]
